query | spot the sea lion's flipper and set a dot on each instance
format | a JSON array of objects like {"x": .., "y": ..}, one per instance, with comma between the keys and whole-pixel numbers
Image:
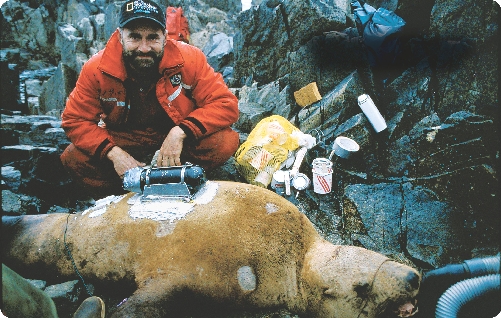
[
  {"x": 92, "y": 307},
  {"x": 150, "y": 300},
  {"x": 22, "y": 299}
]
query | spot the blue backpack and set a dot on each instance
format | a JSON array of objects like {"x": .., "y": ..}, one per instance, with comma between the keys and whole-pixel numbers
[{"x": 380, "y": 30}]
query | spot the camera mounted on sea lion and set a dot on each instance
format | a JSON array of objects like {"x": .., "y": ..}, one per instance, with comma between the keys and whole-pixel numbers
[{"x": 165, "y": 182}]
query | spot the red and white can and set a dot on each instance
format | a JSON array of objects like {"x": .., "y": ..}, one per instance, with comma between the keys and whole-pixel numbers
[{"x": 322, "y": 175}]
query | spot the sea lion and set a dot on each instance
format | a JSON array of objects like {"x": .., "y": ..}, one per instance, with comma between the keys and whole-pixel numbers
[{"x": 237, "y": 245}]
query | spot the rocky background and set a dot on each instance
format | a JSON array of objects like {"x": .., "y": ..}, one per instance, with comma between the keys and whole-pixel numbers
[{"x": 424, "y": 191}]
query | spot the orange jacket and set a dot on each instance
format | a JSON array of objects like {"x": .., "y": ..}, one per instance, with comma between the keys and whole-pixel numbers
[{"x": 100, "y": 89}]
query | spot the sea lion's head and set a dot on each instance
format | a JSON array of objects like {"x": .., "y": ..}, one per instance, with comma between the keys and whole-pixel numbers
[
  {"x": 348, "y": 281},
  {"x": 393, "y": 291}
]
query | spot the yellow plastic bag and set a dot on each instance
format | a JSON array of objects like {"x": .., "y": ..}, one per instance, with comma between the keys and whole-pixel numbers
[{"x": 266, "y": 148}]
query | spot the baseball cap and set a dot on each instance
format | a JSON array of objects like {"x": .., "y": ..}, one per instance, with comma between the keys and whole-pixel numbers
[{"x": 141, "y": 9}]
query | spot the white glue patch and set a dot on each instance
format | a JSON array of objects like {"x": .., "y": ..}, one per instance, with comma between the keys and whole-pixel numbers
[
  {"x": 101, "y": 205},
  {"x": 246, "y": 278},
  {"x": 161, "y": 209},
  {"x": 207, "y": 193},
  {"x": 170, "y": 209},
  {"x": 271, "y": 208}
]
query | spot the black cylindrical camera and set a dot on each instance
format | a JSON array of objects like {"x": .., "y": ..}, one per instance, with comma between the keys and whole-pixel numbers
[{"x": 137, "y": 178}]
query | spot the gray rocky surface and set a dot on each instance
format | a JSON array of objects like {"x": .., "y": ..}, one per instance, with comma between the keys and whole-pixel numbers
[{"x": 424, "y": 191}]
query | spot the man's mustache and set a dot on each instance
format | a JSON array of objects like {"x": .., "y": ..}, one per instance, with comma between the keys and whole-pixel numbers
[{"x": 148, "y": 54}]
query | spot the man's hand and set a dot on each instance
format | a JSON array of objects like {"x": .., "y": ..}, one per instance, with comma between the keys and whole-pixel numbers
[
  {"x": 122, "y": 161},
  {"x": 170, "y": 151}
]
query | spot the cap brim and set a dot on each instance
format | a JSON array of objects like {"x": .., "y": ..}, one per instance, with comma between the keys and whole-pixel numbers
[{"x": 147, "y": 18}]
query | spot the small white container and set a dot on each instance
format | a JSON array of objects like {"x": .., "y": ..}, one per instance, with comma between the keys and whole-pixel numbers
[
  {"x": 370, "y": 110},
  {"x": 300, "y": 182},
  {"x": 343, "y": 147},
  {"x": 280, "y": 181}
]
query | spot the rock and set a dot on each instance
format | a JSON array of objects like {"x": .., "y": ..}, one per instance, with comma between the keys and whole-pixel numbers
[
  {"x": 250, "y": 114},
  {"x": 11, "y": 203},
  {"x": 9, "y": 136},
  {"x": 44, "y": 133},
  {"x": 335, "y": 107},
  {"x": 112, "y": 11},
  {"x": 57, "y": 137},
  {"x": 219, "y": 51},
  {"x": 11, "y": 55},
  {"x": 469, "y": 22},
  {"x": 12, "y": 177},
  {"x": 86, "y": 29},
  {"x": 262, "y": 43},
  {"x": 19, "y": 204},
  {"x": 227, "y": 171},
  {"x": 34, "y": 105},
  {"x": 75, "y": 12},
  {"x": 233, "y": 6},
  {"x": 37, "y": 283},
  {"x": 48, "y": 176},
  {"x": 423, "y": 126},
  {"x": 26, "y": 123},
  {"x": 98, "y": 22},
  {"x": 463, "y": 42},
  {"x": 435, "y": 232},
  {"x": 33, "y": 87},
  {"x": 58, "y": 209},
  {"x": 357, "y": 128},
  {"x": 228, "y": 76},
  {"x": 197, "y": 17},
  {"x": 204, "y": 25},
  {"x": 57, "y": 88},
  {"x": 467, "y": 90},
  {"x": 199, "y": 39},
  {"x": 67, "y": 290},
  {"x": 215, "y": 15},
  {"x": 22, "y": 152},
  {"x": 31, "y": 82},
  {"x": 31, "y": 28},
  {"x": 396, "y": 218},
  {"x": 9, "y": 80},
  {"x": 401, "y": 156},
  {"x": 257, "y": 103},
  {"x": 71, "y": 44},
  {"x": 319, "y": 54}
]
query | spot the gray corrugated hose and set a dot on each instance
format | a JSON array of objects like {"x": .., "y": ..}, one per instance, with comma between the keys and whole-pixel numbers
[{"x": 459, "y": 294}]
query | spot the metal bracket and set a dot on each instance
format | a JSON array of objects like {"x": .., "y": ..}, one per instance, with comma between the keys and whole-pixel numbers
[{"x": 168, "y": 190}]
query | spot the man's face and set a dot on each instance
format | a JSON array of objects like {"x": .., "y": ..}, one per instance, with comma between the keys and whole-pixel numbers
[{"x": 143, "y": 45}]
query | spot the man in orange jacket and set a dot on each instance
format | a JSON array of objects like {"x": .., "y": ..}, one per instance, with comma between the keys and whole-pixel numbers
[{"x": 143, "y": 93}]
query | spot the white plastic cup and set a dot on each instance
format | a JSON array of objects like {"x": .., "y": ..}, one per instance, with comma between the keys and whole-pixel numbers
[
  {"x": 322, "y": 175},
  {"x": 370, "y": 110},
  {"x": 343, "y": 147}
]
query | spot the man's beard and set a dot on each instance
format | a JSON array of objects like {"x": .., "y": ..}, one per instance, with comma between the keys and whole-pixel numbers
[{"x": 140, "y": 65}]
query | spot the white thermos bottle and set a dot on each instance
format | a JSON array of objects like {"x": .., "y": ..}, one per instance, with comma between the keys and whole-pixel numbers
[{"x": 370, "y": 110}]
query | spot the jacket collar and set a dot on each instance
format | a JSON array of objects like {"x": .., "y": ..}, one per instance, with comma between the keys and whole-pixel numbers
[{"x": 112, "y": 61}]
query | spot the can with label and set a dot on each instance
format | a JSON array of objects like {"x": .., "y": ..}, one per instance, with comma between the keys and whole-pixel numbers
[{"x": 322, "y": 175}]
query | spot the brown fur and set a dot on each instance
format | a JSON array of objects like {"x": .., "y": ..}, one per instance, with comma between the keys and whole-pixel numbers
[{"x": 242, "y": 226}]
